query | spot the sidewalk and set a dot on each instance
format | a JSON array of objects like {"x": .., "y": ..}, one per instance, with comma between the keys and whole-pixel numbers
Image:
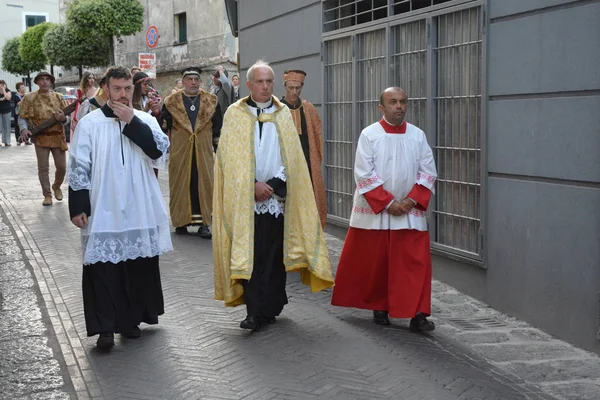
[{"x": 314, "y": 351}]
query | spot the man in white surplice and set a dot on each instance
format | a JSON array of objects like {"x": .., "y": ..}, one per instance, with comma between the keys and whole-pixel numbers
[
  {"x": 115, "y": 199},
  {"x": 385, "y": 265}
]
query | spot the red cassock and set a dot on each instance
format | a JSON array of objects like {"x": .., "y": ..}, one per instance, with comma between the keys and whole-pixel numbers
[{"x": 386, "y": 269}]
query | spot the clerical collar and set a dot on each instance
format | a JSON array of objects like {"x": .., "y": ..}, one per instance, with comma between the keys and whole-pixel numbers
[
  {"x": 108, "y": 112},
  {"x": 389, "y": 128},
  {"x": 256, "y": 104}
]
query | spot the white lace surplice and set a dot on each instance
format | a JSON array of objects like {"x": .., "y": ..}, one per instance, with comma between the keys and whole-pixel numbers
[
  {"x": 398, "y": 162},
  {"x": 269, "y": 163},
  {"x": 128, "y": 214}
]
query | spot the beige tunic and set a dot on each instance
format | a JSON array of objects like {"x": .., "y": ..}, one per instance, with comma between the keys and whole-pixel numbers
[{"x": 38, "y": 107}]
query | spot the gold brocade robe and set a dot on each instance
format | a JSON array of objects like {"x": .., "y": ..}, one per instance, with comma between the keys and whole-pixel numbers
[
  {"x": 38, "y": 107},
  {"x": 184, "y": 142},
  {"x": 315, "y": 149},
  {"x": 304, "y": 246}
]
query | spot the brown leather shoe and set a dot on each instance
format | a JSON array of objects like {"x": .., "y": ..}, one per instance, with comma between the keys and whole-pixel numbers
[
  {"x": 47, "y": 201},
  {"x": 58, "y": 194}
]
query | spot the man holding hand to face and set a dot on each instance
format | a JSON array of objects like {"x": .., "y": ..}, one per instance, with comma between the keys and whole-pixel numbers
[{"x": 115, "y": 199}]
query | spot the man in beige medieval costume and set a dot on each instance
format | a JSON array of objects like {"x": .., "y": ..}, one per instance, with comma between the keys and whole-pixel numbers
[
  {"x": 194, "y": 121},
  {"x": 265, "y": 221},
  {"x": 308, "y": 124},
  {"x": 36, "y": 108}
]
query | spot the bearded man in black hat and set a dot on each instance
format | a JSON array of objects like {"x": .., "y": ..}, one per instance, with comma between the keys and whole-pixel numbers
[
  {"x": 37, "y": 107},
  {"x": 194, "y": 120}
]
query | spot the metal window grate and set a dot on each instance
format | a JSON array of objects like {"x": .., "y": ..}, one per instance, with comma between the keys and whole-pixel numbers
[
  {"x": 404, "y": 6},
  {"x": 409, "y": 68},
  {"x": 371, "y": 76},
  {"x": 339, "y": 134},
  {"x": 338, "y": 14},
  {"x": 458, "y": 122}
]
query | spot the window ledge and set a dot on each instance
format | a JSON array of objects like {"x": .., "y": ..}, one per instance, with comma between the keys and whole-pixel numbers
[{"x": 457, "y": 257}]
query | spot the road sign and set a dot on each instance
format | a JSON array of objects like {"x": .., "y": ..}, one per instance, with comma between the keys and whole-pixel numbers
[
  {"x": 147, "y": 63},
  {"x": 152, "y": 37}
]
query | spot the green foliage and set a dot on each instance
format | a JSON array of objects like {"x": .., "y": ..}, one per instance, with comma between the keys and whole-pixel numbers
[
  {"x": 12, "y": 61},
  {"x": 64, "y": 46},
  {"x": 30, "y": 47},
  {"x": 111, "y": 18}
]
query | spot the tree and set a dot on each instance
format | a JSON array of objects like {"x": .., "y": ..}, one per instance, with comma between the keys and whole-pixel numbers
[
  {"x": 30, "y": 46},
  {"x": 64, "y": 46},
  {"x": 109, "y": 18},
  {"x": 13, "y": 63}
]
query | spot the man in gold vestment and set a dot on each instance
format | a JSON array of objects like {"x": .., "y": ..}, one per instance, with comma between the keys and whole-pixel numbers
[
  {"x": 265, "y": 221},
  {"x": 194, "y": 122},
  {"x": 309, "y": 127}
]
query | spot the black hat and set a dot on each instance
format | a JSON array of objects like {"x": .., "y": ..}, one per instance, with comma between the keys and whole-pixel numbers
[
  {"x": 43, "y": 73},
  {"x": 191, "y": 71}
]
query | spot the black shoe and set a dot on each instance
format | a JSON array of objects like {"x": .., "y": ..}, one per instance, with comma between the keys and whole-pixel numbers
[
  {"x": 182, "y": 230},
  {"x": 251, "y": 323},
  {"x": 267, "y": 320},
  {"x": 132, "y": 333},
  {"x": 106, "y": 340},
  {"x": 381, "y": 318},
  {"x": 28, "y": 143},
  {"x": 421, "y": 324},
  {"x": 204, "y": 233}
]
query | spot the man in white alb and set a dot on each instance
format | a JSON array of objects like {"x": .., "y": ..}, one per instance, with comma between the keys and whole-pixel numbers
[
  {"x": 115, "y": 199},
  {"x": 385, "y": 265}
]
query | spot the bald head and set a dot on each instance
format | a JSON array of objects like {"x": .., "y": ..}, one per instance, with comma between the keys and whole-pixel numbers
[
  {"x": 392, "y": 89},
  {"x": 393, "y": 103}
]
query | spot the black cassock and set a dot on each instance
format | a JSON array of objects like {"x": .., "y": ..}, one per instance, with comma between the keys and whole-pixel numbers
[
  {"x": 117, "y": 297},
  {"x": 265, "y": 293}
]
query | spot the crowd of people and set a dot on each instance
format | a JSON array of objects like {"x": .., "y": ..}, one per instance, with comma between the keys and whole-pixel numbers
[{"x": 247, "y": 172}]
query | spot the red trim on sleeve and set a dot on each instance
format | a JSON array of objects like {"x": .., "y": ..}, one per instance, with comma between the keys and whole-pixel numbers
[
  {"x": 378, "y": 199},
  {"x": 421, "y": 195}
]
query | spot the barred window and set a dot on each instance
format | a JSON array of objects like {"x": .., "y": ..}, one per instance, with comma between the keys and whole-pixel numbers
[
  {"x": 458, "y": 130},
  {"x": 338, "y": 14},
  {"x": 340, "y": 137},
  {"x": 409, "y": 68}
]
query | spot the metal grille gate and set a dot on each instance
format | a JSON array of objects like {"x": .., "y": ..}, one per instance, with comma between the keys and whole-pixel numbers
[{"x": 437, "y": 58}]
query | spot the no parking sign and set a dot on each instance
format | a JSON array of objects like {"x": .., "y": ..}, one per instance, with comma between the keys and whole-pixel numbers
[{"x": 152, "y": 37}]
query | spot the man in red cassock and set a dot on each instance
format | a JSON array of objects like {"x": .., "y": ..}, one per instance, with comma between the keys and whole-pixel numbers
[{"x": 385, "y": 265}]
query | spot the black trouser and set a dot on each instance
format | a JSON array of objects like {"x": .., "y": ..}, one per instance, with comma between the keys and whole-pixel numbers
[{"x": 264, "y": 293}]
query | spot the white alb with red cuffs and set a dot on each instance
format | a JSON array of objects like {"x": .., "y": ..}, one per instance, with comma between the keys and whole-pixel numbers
[{"x": 398, "y": 162}]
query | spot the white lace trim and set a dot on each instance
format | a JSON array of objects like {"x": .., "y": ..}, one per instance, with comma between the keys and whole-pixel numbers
[
  {"x": 281, "y": 174},
  {"x": 162, "y": 143},
  {"x": 78, "y": 175},
  {"x": 115, "y": 247},
  {"x": 271, "y": 206}
]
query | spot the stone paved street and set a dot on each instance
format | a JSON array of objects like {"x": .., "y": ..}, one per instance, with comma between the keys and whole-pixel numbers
[{"x": 198, "y": 351}]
